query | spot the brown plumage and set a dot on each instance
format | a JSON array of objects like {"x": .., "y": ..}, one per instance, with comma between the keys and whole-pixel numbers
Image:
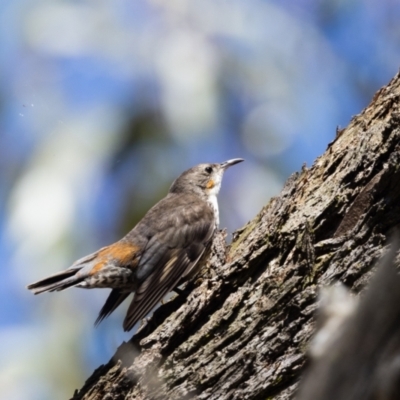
[{"x": 170, "y": 244}]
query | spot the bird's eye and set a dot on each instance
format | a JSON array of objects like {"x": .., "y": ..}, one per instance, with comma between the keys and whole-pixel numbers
[{"x": 208, "y": 170}]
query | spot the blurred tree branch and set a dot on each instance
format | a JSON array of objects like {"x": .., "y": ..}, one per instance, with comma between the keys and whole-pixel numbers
[{"x": 242, "y": 329}]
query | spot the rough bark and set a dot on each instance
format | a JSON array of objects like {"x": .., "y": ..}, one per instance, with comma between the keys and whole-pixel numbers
[
  {"x": 360, "y": 359},
  {"x": 241, "y": 330}
]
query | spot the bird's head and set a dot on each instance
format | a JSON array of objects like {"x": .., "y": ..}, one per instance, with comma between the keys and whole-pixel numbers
[{"x": 203, "y": 179}]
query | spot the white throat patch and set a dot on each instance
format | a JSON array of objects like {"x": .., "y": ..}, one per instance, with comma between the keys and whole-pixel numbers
[
  {"x": 213, "y": 202},
  {"x": 212, "y": 196}
]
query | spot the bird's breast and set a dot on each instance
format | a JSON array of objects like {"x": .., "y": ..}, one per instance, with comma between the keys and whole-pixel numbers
[{"x": 213, "y": 202}]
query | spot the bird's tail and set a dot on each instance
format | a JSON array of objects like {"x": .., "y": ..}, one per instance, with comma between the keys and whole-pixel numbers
[{"x": 56, "y": 282}]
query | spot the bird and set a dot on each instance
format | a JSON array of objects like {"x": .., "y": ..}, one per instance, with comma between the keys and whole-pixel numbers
[{"x": 167, "y": 247}]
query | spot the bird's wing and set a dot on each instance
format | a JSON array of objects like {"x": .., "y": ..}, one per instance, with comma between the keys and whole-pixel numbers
[
  {"x": 183, "y": 237},
  {"x": 155, "y": 287}
]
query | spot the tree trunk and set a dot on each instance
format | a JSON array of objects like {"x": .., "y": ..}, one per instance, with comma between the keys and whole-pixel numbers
[{"x": 242, "y": 328}]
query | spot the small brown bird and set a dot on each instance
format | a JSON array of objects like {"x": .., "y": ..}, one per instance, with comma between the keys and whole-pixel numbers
[{"x": 167, "y": 247}]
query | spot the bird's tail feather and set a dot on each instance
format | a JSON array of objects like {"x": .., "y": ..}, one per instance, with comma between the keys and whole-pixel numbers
[
  {"x": 115, "y": 298},
  {"x": 56, "y": 282}
]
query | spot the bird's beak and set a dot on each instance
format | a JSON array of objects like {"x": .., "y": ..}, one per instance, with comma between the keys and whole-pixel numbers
[{"x": 229, "y": 163}]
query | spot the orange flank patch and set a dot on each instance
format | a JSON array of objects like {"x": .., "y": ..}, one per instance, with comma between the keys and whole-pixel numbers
[
  {"x": 118, "y": 253},
  {"x": 97, "y": 267},
  {"x": 210, "y": 184}
]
